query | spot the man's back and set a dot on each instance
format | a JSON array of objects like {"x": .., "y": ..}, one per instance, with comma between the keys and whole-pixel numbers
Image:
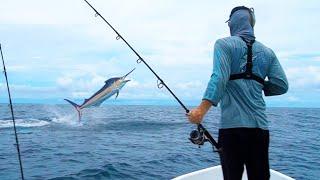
[{"x": 242, "y": 103}]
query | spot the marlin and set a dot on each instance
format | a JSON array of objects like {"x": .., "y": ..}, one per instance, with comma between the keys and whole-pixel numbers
[{"x": 112, "y": 86}]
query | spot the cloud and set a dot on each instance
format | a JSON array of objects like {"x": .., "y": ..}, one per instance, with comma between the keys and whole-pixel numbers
[
  {"x": 293, "y": 99},
  {"x": 36, "y": 57},
  {"x": 133, "y": 84},
  {"x": 64, "y": 81},
  {"x": 80, "y": 95},
  {"x": 190, "y": 85},
  {"x": 28, "y": 91},
  {"x": 53, "y": 51},
  {"x": 305, "y": 78},
  {"x": 85, "y": 82},
  {"x": 317, "y": 58}
]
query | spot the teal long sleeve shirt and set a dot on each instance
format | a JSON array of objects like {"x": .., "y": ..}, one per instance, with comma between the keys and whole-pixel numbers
[{"x": 241, "y": 100}]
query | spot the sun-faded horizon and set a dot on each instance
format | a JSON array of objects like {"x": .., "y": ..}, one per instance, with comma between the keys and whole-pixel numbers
[{"x": 59, "y": 49}]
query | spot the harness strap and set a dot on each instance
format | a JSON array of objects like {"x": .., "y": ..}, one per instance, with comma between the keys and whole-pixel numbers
[{"x": 248, "y": 73}]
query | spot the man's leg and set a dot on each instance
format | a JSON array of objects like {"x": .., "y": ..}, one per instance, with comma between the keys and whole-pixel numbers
[
  {"x": 232, "y": 155},
  {"x": 257, "y": 163}
]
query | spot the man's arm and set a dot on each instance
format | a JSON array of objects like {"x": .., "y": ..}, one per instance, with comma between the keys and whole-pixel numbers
[
  {"x": 220, "y": 74},
  {"x": 217, "y": 83},
  {"x": 277, "y": 83}
]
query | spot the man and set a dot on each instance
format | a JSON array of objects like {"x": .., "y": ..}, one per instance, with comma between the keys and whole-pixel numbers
[{"x": 239, "y": 68}]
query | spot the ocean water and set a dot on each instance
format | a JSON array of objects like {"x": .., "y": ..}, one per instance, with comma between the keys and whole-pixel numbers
[{"x": 140, "y": 142}]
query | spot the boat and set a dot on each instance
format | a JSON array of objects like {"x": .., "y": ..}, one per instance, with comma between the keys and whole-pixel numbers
[{"x": 216, "y": 173}]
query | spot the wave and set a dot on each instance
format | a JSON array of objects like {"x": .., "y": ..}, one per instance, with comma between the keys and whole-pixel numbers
[{"x": 23, "y": 123}]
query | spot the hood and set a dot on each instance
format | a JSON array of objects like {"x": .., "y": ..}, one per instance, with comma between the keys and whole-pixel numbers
[{"x": 240, "y": 25}]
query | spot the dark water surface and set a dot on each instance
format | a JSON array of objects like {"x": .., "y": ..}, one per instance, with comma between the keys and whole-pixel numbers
[{"x": 140, "y": 142}]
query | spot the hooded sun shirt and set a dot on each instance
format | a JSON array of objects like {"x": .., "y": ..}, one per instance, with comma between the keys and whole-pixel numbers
[{"x": 241, "y": 100}]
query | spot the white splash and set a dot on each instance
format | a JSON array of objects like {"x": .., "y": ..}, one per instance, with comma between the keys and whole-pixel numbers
[
  {"x": 23, "y": 123},
  {"x": 67, "y": 119},
  {"x": 61, "y": 117}
]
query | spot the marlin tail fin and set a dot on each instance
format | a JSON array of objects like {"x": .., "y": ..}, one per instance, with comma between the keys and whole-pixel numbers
[{"x": 76, "y": 106}]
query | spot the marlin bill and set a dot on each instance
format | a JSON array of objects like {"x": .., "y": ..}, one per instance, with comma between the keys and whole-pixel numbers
[{"x": 111, "y": 87}]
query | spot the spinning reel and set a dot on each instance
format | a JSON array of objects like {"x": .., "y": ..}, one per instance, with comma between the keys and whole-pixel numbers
[{"x": 200, "y": 135}]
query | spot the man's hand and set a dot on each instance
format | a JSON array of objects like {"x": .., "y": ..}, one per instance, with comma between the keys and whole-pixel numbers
[{"x": 196, "y": 115}]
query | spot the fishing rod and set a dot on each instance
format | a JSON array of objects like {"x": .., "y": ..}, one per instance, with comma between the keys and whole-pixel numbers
[
  {"x": 160, "y": 82},
  {"x": 13, "y": 119}
]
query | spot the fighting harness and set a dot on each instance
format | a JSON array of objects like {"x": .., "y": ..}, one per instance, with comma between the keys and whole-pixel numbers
[{"x": 248, "y": 73}]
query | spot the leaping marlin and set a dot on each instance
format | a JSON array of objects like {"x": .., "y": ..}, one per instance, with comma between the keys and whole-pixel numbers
[{"x": 112, "y": 86}]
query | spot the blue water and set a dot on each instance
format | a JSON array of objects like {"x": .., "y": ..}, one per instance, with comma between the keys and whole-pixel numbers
[{"x": 140, "y": 142}]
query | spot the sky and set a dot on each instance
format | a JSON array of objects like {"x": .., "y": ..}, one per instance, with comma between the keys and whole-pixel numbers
[{"x": 59, "y": 49}]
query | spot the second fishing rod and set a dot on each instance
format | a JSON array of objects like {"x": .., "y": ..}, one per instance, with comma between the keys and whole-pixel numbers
[{"x": 198, "y": 136}]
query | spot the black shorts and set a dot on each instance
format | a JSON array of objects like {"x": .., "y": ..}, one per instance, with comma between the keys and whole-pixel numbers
[{"x": 244, "y": 146}]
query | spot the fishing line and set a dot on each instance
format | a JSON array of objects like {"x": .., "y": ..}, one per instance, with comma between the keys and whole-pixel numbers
[
  {"x": 13, "y": 119},
  {"x": 160, "y": 82}
]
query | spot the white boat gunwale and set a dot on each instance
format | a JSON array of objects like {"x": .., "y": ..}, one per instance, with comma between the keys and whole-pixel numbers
[{"x": 216, "y": 172}]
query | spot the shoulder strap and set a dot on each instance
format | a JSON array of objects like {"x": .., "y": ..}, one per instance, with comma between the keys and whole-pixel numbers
[{"x": 248, "y": 73}]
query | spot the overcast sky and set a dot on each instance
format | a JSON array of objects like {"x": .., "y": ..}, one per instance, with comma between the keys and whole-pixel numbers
[{"x": 58, "y": 49}]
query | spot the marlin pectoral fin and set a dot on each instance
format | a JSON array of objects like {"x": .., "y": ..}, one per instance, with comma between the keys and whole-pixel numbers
[{"x": 117, "y": 94}]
